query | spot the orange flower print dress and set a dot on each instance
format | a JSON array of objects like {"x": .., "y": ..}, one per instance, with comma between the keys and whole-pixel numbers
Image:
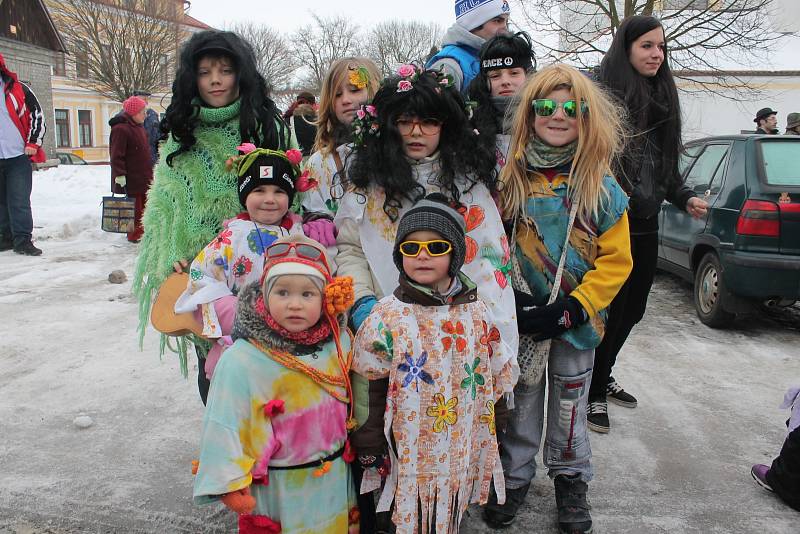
[{"x": 445, "y": 374}]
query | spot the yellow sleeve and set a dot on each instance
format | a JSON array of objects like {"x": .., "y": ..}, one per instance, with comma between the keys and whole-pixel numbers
[{"x": 611, "y": 268}]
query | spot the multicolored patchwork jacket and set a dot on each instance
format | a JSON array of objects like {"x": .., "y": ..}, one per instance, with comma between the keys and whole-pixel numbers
[{"x": 439, "y": 365}]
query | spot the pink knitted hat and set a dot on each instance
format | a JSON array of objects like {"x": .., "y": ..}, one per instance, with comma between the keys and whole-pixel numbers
[{"x": 133, "y": 105}]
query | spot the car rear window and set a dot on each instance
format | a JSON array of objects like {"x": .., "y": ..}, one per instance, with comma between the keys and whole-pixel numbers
[{"x": 781, "y": 162}]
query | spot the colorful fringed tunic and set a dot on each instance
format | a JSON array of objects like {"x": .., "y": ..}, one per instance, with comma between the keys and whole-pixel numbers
[
  {"x": 446, "y": 368},
  {"x": 266, "y": 416}
]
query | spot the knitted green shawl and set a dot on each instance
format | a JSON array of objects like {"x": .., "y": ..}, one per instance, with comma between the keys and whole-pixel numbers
[{"x": 185, "y": 207}]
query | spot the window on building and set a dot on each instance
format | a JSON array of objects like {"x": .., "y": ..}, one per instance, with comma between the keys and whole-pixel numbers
[
  {"x": 163, "y": 65},
  {"x": 81, "y": 59},
  {"x": 62, "y": 128},
  {"x": 85, "y": 127},
  {"x": 60, "y": 67}
]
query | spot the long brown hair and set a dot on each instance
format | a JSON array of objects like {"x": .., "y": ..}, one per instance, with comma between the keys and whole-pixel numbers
[
  {"x": 338, "y": 74},
  {"x": 599, "y": 141}
]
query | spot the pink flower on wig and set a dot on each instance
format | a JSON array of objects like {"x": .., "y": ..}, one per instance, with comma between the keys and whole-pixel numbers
[
  {"x": 294, "y": 156},
  {"x": 360, "y": 113},
  {"x": 406, "y": 70},
  {"x": 246, "y": 147},
  {"x": 304, "y": 183},
  {"x": 403, "y": 86},
  {"x": 371, "y": 109}
]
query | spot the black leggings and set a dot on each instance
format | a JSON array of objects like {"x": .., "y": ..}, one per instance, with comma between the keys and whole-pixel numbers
[
  {"x": 784, "y": 475},
  {"x": 203, "y": 383},
  {"x": 625, "y": 311}
]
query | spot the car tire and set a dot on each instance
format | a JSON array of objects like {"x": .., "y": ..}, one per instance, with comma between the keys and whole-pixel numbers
[{"x": 710, "y": 293}]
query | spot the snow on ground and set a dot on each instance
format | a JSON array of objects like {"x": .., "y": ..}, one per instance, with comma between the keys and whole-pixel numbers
[{"x": 677, "y": 464}]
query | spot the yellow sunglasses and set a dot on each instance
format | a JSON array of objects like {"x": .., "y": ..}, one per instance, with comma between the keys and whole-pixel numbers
[{"x": 434, "y": 247}]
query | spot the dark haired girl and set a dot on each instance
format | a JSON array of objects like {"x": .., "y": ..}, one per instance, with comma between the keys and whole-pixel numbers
[
  {"x": 636, "y": 70},
  {"x": 505, "y": 62},
  {"x": 218, "y": 102},
  {"x": 414, "y": 140}
]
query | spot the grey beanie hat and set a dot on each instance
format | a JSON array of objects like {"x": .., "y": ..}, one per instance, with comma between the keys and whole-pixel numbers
[{"x": 434, "y": 214}]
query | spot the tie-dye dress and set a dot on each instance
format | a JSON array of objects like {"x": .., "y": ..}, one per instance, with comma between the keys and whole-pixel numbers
[{"x": 261, "y": 415}]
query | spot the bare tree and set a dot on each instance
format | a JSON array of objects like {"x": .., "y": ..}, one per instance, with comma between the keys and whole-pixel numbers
[
  {"x": 120, "y": 45},
  {"x": 274, "y": 54},
  {"x": 394, "y": 42},
  {"x": 703, "y": 35},
  {"x": 320, "y": 43}
]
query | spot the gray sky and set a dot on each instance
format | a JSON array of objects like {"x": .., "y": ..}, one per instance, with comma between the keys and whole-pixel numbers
[{"x": 286, "y": 16}]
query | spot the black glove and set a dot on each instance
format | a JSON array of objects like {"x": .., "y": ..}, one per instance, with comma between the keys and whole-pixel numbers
[
  {"x": 552, "y": 320},
  {"x": 524, "y": 300}
]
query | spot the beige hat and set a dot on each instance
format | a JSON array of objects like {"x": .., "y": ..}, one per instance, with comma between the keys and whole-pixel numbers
[{"x": 792, "y": 120}]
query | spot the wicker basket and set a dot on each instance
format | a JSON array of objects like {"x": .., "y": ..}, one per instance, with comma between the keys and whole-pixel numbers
[{"x": 118, "y": 214}]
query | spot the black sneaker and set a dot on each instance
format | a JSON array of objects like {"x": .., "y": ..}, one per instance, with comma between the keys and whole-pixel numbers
[
  {"x": 597, "y": 417},
  {"x": 27, "y": 249},
  {"x": 503, "y": 515},
  {"x": 573, "y": 507},
  {"x": 6, "y": 243},
  {"x": 616, "y": 394}
]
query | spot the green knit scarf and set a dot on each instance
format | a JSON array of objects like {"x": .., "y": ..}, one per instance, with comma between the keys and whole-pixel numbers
[
  {"x": 540, "y": 155},
  {"x": 185, "y": 208}
]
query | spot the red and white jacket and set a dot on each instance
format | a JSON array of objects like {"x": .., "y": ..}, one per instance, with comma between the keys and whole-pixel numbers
[{"x": 25, "y": 111}]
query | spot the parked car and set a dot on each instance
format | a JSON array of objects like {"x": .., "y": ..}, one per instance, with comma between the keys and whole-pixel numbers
[
  {"x": 67, "y": 158},
  {"x": 747, "y": 249}
]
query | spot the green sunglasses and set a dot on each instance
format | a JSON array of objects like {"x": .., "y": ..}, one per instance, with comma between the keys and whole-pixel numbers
[{"x": 545, "y": 107}]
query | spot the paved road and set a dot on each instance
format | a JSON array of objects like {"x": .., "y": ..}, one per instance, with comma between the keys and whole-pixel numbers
[{"x": 678, "y": 463}]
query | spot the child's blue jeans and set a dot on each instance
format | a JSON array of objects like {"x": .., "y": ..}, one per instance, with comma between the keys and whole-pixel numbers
[{"x": 566, "y": 448}]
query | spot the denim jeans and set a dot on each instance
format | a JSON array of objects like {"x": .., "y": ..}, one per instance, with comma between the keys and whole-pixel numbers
[
  {"x": 16, "y": 219},
  {"x": 566, "y": 446}
]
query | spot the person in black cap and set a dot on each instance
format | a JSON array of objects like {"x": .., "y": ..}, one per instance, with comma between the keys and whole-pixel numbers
[
  {"x": 505, "y": 63},
  {"x": 767, "y": 121},
  {"x": 151, "y": 124}
]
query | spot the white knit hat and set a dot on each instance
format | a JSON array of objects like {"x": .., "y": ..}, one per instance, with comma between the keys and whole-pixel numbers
[{"x": 473, "y": 13}]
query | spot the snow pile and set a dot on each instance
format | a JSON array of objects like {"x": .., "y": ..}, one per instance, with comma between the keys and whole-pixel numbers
[{"x": 67, "y": 200}]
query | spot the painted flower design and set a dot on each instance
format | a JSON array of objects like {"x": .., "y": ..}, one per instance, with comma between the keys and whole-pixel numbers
[
  {"x": 488, "y": 418},
  {"x": 305, "y": 183},
  {"x": 260, "y": 238},
  {"x": 489, "y": 337},
  {"x": 196, "y": 274},
  {"x": 473, "y": 217},
  {"x": 444, "y": 412},
  {"x": 222, "y": 261},
  {"x": 456, "y": 333},
  {"x": 242, "y": 267},
  {"x": 385, "y": 346},
  {"x": 474, "y": 378},
  {"x": 224, "y": 238},
  {"x": 414, "y": 371},
  {"x": 403, "y": 86},
  {"x": 501, "y": 263}
]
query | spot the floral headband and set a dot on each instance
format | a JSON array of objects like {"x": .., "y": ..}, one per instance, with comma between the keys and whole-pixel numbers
[
  {"x": 249, "y": 152},
  {"x": 411, "y": 73},
  {"x": 365, "y": 123}
]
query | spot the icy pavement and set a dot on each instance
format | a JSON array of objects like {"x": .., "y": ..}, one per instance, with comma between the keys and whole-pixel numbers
[{"x": 678, "y": 463}]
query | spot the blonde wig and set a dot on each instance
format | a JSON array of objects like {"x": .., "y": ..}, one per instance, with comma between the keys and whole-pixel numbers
[
  {"x": 600, "y": 138},
  {"x": 340, "y": 73}
]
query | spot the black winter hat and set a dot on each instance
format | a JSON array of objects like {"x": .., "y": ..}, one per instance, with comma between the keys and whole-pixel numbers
[
  {"x": 506, "y": 51},
  {"x": 435, "y": 214},
  {"x": 763, "y": 113},
  {"x": 265, "y": 167}
]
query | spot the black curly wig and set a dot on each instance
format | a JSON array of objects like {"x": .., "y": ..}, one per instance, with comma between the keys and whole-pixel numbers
[
  {"x": 485, "y": 117},
  {"x": 259, "y": 118},
  {"x": 381, "y": 161}
]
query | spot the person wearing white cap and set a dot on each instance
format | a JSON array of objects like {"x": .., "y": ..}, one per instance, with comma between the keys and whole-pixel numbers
[{"x": 477, "y": 21}]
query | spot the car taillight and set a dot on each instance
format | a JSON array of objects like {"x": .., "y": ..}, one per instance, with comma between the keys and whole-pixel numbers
[{"x": 759, "y": 217}]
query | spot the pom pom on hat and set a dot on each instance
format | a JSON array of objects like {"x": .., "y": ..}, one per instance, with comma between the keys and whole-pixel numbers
[{"x": 133, "y": 105}]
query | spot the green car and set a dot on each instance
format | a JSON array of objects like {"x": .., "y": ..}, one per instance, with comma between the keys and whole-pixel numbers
[{"x": 747, "y": 249}]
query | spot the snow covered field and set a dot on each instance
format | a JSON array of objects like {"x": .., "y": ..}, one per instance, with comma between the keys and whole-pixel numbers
[{"x": 679, "y": 463}]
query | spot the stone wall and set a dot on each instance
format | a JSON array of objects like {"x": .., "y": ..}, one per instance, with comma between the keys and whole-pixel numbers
[{"x": 34, "y": 66}]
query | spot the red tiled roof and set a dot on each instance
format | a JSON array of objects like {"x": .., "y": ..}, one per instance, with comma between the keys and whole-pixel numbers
[{"x": 191, "y": 21}]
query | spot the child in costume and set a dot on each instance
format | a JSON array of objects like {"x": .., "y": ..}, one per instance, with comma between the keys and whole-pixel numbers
[
  {"x": 434, "y": 348},
  {"x": 558, "y": 177},
  {"x": 506, "y": 62},
  {"x": 218, "y": 102},
  {"x": 349, "y": 83},
  {"x": 235, "y": 257},
  {"x": 274, "y": 439},
  {"x": 415, "y": 140}
]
